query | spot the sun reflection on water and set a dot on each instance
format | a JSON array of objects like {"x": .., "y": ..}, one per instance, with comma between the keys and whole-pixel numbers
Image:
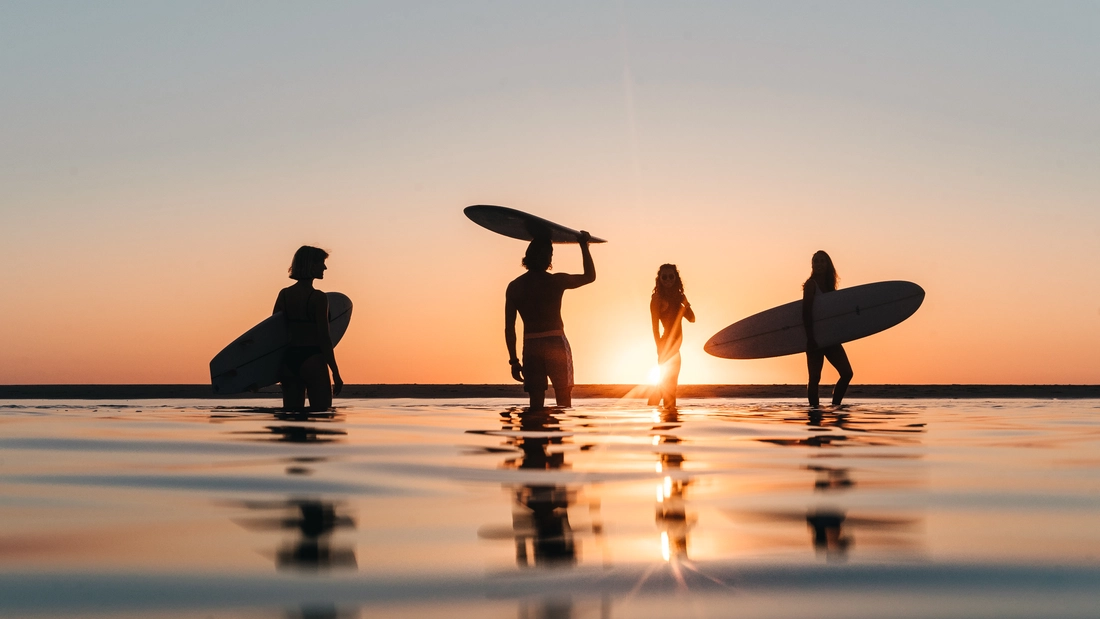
[{"x": 497, "y": 498}]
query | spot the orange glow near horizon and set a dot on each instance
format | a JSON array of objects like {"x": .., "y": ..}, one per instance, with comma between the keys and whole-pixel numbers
[{"x": 434, "y": 326}]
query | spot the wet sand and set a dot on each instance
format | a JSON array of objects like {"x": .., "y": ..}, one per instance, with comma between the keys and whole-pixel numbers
[{"x": 437, "y": 391}]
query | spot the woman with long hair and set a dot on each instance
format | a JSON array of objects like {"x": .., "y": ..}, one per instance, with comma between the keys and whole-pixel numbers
[
  {"x": 308, "y": 355},
  {"x": 823, "y": 280},
  {"x": 668, "y": 307}
]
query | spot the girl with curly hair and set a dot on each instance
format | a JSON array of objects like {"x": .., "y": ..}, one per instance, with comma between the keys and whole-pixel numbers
[{"x": 668, "y": 307}]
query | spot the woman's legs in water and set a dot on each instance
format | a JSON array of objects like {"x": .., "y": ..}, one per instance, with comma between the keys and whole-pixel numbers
[
  {"x": 314, "y": 375},
  {"x": 814, "y": 360},
  {"x": 670, "y": 378},
  {"x": 839, "y": 360},
  {"x": 654, "y": 398},
  {"x": 655, "y": 391},
  {"x": 294, "y": 391}
]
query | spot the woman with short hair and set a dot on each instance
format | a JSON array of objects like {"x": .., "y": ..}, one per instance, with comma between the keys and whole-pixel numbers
[{"x": 309, "y": 355}]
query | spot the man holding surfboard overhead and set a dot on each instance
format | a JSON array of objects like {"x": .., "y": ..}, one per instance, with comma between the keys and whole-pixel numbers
[{"x": 536, "y": 297}]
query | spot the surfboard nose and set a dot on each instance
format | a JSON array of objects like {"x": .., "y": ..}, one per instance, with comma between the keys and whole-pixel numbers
[{"x": 519, "y": 225}]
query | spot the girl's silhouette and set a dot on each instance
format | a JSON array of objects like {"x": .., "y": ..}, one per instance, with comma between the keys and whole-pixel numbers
[
  {"x": 668, "y": 307},
  {"x": 309, "y": 353},
  {"x": 822, "y": 280}
]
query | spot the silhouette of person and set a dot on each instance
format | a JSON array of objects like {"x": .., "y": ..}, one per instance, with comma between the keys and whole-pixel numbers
[
  {"x": 308, "y": 355},
  {"x": 536, "y": 296},
  {"x": 672, "y": 515},
  {"x": 822, "y": 280},
  {"x": 546, "y": 506},
  {"x": 828, "y": 531},
  {"x": 668, "y": 307},
  {"x": 315, "y": 522}
]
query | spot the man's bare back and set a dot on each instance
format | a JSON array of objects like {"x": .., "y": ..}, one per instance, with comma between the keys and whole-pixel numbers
[{"x": 536, "y": 297}]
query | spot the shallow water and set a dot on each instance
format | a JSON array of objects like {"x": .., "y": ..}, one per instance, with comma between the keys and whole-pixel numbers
[{"x": 473, "y": 508}]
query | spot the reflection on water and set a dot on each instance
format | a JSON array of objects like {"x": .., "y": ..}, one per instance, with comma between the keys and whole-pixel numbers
[
  {"x": 833, "y": 532},
  {"x": 322, "y": 611},
  {"x": 830, "y": 479},
  {"x": 303, "y": 430},
  {"x": 543, "y": 536},
  {"x": 828, "y": 537},
  {"x": 672, "y": 516},
  {"x": 540, "y": 516},
  {"x": 313, "y": 522},
  {"x": 610, "y": 509}
]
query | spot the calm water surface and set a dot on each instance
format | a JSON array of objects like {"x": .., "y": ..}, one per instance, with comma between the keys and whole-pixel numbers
[{"x": 474, "y": 508}]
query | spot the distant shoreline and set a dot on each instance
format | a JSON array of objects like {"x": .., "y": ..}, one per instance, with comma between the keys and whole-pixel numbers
[{"x": 515, "y": 391}]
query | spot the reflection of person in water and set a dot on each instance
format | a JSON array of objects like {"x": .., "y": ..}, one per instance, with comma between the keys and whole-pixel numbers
[
  {"x": 829, "y": 536},
  {"x": 544, "y": 518},
  {"x": 668, "y": 307},
  {"x": 314, "y": 521},
  {"x": 822, "y": 280},
  {"x": 536, "y": 296},
  {"x": 308, "y": 355},
  {"x": 672, "y": 515}
]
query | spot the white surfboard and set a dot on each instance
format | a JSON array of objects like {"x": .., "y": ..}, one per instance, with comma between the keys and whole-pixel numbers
[
  {"x": 839, "y": 316},
  {"x": 252, "y": 360},
  {"x": 520, "y": 225}
]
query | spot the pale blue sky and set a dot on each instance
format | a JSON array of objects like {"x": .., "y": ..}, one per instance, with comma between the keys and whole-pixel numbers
[{"x": 171, "y": 149}]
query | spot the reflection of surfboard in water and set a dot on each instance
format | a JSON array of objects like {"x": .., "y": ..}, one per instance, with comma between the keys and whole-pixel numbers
[
  {"x": 520, "y": 225},
  {"x": 252, "y": 360},
  {"x": 839, "y": 316}
]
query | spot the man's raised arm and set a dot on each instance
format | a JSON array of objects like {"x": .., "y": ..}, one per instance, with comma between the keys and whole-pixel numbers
[{"x": 589, "y": 275}]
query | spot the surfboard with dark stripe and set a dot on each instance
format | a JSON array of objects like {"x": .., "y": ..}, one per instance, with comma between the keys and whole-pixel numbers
[
  {"x": 839, "y": 316},
  {"x": 252, "y": 360},
  {"x": 519, "y": 225}
]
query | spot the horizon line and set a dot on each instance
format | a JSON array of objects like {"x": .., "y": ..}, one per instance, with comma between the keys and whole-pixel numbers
[{"x": 123, "y": 391}]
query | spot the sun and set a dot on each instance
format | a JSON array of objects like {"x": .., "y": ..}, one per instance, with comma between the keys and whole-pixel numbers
[{"x": 655, "y": 375}]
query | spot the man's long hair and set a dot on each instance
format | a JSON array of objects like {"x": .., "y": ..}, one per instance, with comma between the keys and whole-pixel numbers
[{"x": 539, "y": 256}]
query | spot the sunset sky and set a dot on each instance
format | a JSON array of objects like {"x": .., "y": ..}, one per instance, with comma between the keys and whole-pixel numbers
[{"x": 160, "y": 163}]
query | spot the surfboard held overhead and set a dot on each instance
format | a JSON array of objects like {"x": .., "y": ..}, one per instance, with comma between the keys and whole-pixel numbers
[
  {"x": 519, "y": 225},
  {"x": 840, "y": 316}
]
